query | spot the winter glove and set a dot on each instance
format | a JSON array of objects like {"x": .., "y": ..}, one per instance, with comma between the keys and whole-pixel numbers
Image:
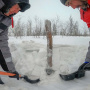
[
  {"x": 16, "y": 76},
  {"x": 84, "y": 66}
]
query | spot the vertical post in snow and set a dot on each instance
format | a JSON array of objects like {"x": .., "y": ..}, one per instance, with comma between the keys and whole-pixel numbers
[
  {"x": 49, "y": 46},
  {"x": 49, "y": 42}
]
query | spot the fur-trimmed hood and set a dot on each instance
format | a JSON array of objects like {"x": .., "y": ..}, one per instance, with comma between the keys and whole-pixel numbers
[{"x": 24, "y": 4}]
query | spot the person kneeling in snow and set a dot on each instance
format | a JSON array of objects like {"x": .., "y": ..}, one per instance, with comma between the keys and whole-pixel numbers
[
  {"x": 9, "y": 8},
  {"x": 84, "y": 6}
]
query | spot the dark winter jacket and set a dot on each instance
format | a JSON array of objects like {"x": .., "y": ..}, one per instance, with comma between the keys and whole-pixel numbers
[
  {"x": 85, "y": 15},
  {"x": 5, "y": 22}
]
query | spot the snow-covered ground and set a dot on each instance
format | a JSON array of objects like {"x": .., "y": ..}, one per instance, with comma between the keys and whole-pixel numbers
[{"x": 30, "y": 58}]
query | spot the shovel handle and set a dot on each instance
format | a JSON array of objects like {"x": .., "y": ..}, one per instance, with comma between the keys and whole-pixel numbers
[
  {"x": 7, "y": 74},
  {"x": 25, "y": 77}
]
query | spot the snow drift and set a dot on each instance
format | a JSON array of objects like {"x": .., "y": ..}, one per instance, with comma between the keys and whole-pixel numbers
[{"x": 30, "y": 58}]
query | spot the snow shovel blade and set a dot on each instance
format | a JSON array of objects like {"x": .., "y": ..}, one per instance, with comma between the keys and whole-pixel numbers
[
  {"x": 24, "y": 77},
  {"x": 31, "y": 81},
  {"x": 68, "y": 77},
  {"x": 77, "y": 74},
  {"x": 80, "y": 74}
]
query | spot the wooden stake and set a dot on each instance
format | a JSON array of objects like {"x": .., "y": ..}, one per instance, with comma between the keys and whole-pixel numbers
[{"x": 49, "y": 42}]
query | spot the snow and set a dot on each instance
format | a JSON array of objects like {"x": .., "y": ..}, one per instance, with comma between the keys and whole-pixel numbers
[{"x": 30, "y": 58}]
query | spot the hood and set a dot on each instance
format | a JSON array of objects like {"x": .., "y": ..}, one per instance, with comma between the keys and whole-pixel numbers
[{"x": 24, "y": 5}]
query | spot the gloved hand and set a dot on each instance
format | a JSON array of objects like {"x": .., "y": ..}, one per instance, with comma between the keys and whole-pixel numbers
[
  {"x": 85, "y": 66},
  {"x": 16, "y": 76}
]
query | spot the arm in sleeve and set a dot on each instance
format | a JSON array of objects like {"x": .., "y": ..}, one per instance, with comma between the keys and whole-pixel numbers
[
  {"x": 6, "y": 61},
  {"x": 1, "y": 4}
]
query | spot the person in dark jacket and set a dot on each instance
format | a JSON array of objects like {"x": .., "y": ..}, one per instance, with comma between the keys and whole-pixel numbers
[
  {"x": 9, "y": 8},
  {"x": 84, "y": 6}
]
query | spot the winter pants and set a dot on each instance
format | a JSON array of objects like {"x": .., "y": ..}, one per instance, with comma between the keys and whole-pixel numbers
[
  {"x": 2, "y": 62},
  {"x": 88, "y": 54}
]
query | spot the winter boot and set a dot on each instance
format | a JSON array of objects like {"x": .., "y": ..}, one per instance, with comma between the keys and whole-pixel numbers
[{"x": 1, "y": 82}]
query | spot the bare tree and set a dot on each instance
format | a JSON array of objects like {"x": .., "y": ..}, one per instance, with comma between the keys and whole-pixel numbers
[
  {"x": 71, "y": 24},
  {"x": 63, "y": 30},
  {"x": 29, "y": 28},
  {"x": 56, "y": 25},
  {"x": 76, "y": 29},
  {"x": 10, "y": 31},
  {"x": 54, "y": 29},
  {"x": 18, "y": 29},
  {"x": 38, "y": 27},
  {"x": 86, "y": 33}
]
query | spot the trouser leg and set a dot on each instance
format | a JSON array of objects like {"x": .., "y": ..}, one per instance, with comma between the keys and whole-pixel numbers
[
  {"x": 3, "y": 63},
  {"x": 88, "y": 54}
]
